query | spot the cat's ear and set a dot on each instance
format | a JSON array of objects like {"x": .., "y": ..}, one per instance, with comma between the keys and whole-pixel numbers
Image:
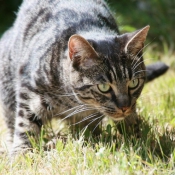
[
  {"x": 134, "y": 42},
  {"x": 81, "y": 52}
]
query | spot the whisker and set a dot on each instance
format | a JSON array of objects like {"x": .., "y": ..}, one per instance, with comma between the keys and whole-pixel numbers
[
  {"x": 90, "y": 116},
  {"x": 78, "y": 107},
  {"x": 61, "y": 113},
  {"x": 67, "y": 95},
  {"x": 62, "y": 95},
  {"x": 76, "y": 112},
  {"x": 97, "y": 124},
  {"x": 93, "y": 121},
  {"x": 140, "y": 71},
  {"x": 138, "y": 59},
  {"x": 133, "y": 68},
  {"x": 86, "y": 118},
  {"x": 140, "y": 51}
]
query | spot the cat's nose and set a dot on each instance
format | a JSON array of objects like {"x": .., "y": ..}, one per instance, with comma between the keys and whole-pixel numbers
[
  {"x": 124, "y": 108},
  {"x": 123, "y": 102}
]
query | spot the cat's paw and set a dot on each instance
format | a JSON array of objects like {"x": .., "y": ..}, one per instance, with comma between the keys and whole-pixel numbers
[{"x": 20, "y": 149}]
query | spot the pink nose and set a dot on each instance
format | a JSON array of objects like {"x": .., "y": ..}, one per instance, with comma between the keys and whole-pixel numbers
[{"x": 124, "y": 109}]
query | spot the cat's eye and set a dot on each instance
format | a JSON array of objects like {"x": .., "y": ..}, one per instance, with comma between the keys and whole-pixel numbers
[
  {"x": 133, "y": 83},
  {"x": 104, "y": 87}
]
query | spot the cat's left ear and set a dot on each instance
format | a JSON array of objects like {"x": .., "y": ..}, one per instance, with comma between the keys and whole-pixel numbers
[
  {"x": 81, "y": 52},
  {"x": 134, "y": 42}
]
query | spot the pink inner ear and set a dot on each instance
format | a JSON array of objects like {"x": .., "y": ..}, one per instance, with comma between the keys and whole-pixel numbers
[
  {"x": 71, "y": 48},
  {"x": 86, "y": 55},
  {"x": 75, "y": 44}
]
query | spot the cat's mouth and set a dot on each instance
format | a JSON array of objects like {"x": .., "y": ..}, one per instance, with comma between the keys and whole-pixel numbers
[{"x": 120, "y": 114}]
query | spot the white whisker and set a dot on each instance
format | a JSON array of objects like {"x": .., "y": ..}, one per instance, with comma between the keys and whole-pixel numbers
[
  {"x": 63, "y": 95},
  {"x": 138, "y": 59},
  {"x": 133, "y": 68},
  {"x": 61, "y": 113},
  {"x": 93, "y": 121},
  {"x": 97, "y": 124},
  {"x": 140, "y": 52},
  {"x": 140, "y": 71},
  {"x": 77, "y": 112},
  {"x": 86, "y": 118}
]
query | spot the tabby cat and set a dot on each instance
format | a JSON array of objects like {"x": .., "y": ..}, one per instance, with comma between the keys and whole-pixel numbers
[{"x": 65, "y": 58}]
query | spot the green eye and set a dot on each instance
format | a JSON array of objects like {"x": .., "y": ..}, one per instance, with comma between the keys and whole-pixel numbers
[
  {"x": 104, "y": 87},
  {"x": 133, "y": 83}
]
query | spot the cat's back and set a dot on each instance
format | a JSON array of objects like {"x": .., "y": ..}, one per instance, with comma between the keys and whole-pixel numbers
[
  {"x": 42, "y": 29},
  {"x": 40, "y": 35},
  {"x": 39, "y": 20},
  {"x": 62, "y": 16},
  {"x": 42, "y": 23}
]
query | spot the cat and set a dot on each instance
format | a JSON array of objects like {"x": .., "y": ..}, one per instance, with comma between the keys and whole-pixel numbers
[{"x": 65, "y": 58}]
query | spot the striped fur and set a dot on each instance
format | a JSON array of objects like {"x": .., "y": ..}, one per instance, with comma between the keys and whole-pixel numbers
[{"x": 47, "y": 71}]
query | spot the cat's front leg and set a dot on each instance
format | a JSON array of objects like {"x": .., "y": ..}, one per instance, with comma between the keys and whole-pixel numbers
[{"x": 27, "y": 125}]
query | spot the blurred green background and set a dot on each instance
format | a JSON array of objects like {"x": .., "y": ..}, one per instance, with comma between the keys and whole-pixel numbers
[
  {"x": 130, "y": 15},
  {"x": 8, "y": 9}
]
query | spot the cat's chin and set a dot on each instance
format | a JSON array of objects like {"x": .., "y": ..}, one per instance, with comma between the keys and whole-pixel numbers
[{"x": 118, "y": 117}]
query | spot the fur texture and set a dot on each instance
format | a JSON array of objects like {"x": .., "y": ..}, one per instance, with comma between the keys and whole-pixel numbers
[{"x": 65, "y": 58}]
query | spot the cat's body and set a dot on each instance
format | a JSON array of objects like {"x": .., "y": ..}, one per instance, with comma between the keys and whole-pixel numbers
[{"x": 47, "y": 71}]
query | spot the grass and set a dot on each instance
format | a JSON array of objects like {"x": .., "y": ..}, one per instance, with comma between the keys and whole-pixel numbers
[{"x": 153, "y": 153}]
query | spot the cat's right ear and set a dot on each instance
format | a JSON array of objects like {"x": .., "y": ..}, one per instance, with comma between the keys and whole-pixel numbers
[
  {"x": 134, "y": 42},
  {"x": 81, "y": 52}
]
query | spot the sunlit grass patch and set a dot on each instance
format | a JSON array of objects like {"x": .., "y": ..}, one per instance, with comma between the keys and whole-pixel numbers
[{"x": 111, "y": 153}]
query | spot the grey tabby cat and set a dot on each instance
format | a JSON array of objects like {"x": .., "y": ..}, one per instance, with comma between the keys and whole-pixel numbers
[{"x": 65, "y": 58}]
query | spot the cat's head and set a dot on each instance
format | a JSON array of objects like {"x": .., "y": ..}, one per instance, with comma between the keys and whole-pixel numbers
[{"x": 108, "y": 73}]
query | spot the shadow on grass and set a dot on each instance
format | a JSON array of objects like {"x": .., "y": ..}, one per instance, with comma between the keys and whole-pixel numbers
[{"x": 153, "y": 142}]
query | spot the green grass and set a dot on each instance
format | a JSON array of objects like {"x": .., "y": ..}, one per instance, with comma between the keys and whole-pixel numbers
[
  {"x": 153, "y": 153},
  {"x": 115, "y": 154}
]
